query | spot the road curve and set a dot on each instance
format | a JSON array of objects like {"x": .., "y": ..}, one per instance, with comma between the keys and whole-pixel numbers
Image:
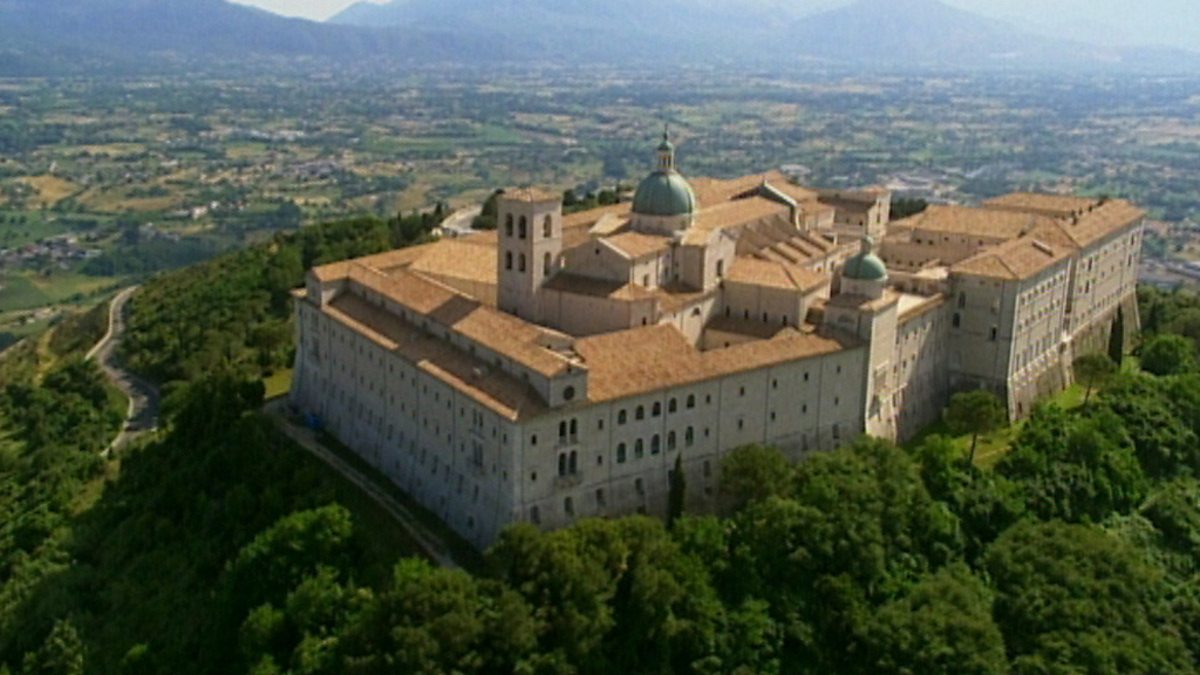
[{"x": 142, "y": 415}]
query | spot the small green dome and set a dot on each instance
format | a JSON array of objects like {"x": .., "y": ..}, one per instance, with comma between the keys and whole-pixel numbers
[
  {"x": 866, "y": 266},
  {"x": 664, "y": 193}
]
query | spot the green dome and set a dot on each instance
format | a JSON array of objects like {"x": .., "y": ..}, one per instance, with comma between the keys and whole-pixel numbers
[
  {"x": 664, "y": 193},
  {"x": 866, "y": 266}
]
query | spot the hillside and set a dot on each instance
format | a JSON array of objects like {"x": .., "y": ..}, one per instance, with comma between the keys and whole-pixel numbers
[{"x": 85, "y": 34}]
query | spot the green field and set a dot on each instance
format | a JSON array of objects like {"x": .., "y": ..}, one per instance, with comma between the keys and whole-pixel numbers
[{"x": 30, "y": 291}]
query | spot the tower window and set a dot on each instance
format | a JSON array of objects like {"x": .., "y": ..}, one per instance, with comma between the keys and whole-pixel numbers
[
  {"x": 522, "y": 228},
  {"x": 521, "y": 263},
  {"x": 508, "y": 225},
  {"x": 508, "y": 260},
  {"x": 546, "y": 264},
  {"x": 548, "y": 227}
]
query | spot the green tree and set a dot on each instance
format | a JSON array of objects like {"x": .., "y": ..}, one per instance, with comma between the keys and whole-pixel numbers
[
  {"x": 985, "y": 502},
  {"x": 678, "y": 492},
  {"x": 1168, "y": 355},
  {"x": 1075, "y": 468},
  {"x": 1158, "y": 416},
  {"x": 975, "y": 412},
  {"x": 1071, "y": 598},
  {"x": 1092, "y": 370},
  {"x": 858, "y": 527},
  {"x": 941, "y": 626},
  {"x": 61, "y": 654},
  {"x": 753, "y": 473}
]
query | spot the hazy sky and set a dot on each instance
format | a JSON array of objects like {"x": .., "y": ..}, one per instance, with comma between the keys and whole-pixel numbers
[{"x": 1175, "y": 22}]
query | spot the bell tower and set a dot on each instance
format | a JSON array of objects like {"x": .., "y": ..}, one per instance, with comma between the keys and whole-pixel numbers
[{"x": 529, "y": 229}]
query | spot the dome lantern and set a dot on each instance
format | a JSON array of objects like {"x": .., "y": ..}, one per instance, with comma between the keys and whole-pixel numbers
[
  {"x": 664, "y": 193},
  {"x": 866, "y": 266}
]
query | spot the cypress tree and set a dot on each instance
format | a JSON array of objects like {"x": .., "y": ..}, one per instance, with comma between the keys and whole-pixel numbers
[
  {"x": 676, "y": 495},
  {"x": 1116, "y": 339}
]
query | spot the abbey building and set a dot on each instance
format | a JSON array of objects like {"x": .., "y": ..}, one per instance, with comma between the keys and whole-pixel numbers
[{"x": 554, "y": 369}]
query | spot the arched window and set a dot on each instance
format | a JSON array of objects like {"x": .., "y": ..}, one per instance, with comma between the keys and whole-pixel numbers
[
  {"x": 522, "y": 227},
  {"x": 689, "y": 437},
  {"x": 573, "y": 465},
  {"x": 546, "y": 264},
  {"x": 656, "y": 410},
  {"x": 508, "y": 225},
  {"x": 562, "y": 465},
  {"x": 521, "y": 263},
  {"x": 621, "y": 417},
  {"x": 574, "y": 427},
  {"x": 620, "y": 453},
  {"x": 691, "y": 401},
  {"x": 962, "y": 300},
  {"x": 548, "y": 227},
  {"x": 562, "y": 429},
  {"x": 639, "y": 449},
  {"x": 720, "y": 269},
  {"x": 672, "y": 406},
  {"x": 569, "y": 506},
  {"x": 508, "y": 260},
  {"x": 655, "y": 444},
  {"x": 670, "y": 440},
  {"x": 641, "y": 413}
]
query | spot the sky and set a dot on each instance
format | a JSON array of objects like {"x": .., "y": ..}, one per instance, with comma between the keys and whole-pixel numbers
[{"x": 1163, "y": 22}]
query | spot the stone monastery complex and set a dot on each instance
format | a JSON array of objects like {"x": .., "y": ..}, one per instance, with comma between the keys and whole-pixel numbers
[{"x": 556, "y": 368}]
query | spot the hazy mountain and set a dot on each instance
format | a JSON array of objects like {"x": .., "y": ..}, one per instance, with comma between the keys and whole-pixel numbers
[
  {"x": 84, "y": 34},
  {"x": 897, "y": 33},
  {"x": 129, "y": 32},
  {"x": 608, "y": 30}
]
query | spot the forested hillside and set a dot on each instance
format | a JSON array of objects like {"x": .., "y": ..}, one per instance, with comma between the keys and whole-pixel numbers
[{"x": 219, "y": 547}]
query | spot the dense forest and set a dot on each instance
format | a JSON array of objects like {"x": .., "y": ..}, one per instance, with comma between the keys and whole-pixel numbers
[{"x": 219, "y": 547}]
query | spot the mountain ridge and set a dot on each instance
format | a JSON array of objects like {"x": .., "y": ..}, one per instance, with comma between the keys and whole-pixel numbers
[{"x": 82, "y": 35}]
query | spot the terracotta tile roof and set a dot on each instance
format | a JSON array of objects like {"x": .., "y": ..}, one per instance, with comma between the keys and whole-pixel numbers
[
  {"x": 913, "y": 306},
  {"x": 461, "y": 259},
  {"x": 531, "y": 195},
  {"x": 500, "y": 332},
  {"x": 648, "y": 359},
  {"x": 1058, "y": 206},
  {"x": 715, "y": 191},
  {"x": 598, "y": 288},
  {"x": 589, "y": 217},
  {"x": 636, "y": 245},
  {"x": 973, "y": 221},
  {"x": 1102, "y": 221},
  {"x": 756, "y": 272},
  {"x": 1017, "y": 259},
  {"x": 740, "y": 212},
  {"x": 677, "y": 295},
  {"x": 748, "y": 327},
  {"x": 491, "y": 387}
]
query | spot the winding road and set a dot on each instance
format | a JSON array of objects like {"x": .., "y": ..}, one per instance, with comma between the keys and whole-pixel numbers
[
  {"x": 142, "y": 418},
  {"x": 142, "y": 415}
]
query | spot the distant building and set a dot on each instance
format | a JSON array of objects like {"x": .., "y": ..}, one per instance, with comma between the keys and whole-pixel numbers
[{"x": 555, "y": 368}]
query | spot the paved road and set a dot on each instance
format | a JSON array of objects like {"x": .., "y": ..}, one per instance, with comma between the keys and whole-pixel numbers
[
  {"x": 142, "y": 416},
  {"x": 458, "y": 224},
  {"x": 429, "y": 542}
]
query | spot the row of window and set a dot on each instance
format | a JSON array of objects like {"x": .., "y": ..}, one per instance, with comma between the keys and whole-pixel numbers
[{"x": 522, "y": 227}]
